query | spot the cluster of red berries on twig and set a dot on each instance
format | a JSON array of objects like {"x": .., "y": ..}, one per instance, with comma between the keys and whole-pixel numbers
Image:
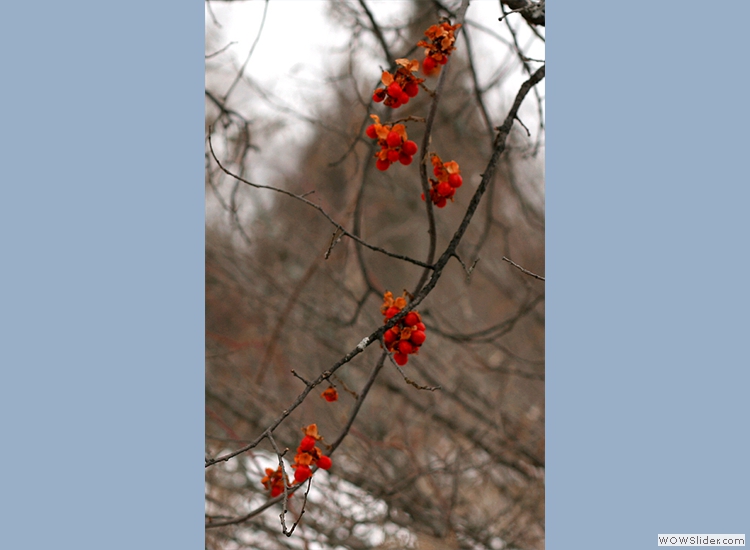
[
  {"x": 449, "y": 179},
  {"x": 308, "y": 454},
  {"x": 442, "y": 37},
  {"x": 400, "y": 87},
  {"x": 406, "y": 336},
  {"x": 394, "y": 143},
  {"x": 274, "y": 481}
]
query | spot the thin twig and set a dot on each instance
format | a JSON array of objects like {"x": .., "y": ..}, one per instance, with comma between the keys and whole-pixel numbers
[
  {"x": 514, "y": 264},
  {"x": 316, "y": 207}
]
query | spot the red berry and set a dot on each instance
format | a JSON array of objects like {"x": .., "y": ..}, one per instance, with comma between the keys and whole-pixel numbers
[
  {"x": 403, "y": 98},
  {"x": 418, "y": 337},
  {"x": 276, "y": 491},
  {"x": 444, "y": 60},
  {"x": 441, "y": 203},
  {"x": 444, "y": 189},
  {"x": 378, "y": 95},
  {"x": 404, "y": 159},
  {"x": 437, "y": 171},
  {"x": 393, "y": 139},
  {"x": 393, "y": 155},
  {"x": 411, "y": 319},
  {"x": 394, "y": 90},
  {"x": 428, "y": 66},
  {"x": 405, "y": 347},
  {"x": 400, "y": 358},
  {"x": 411, "y": 89},
  {"x": 455, "y": 180},
  {"x": 302, "y": 473},
  {"x": 420, "y": 326},
  {"x": 390, "y": 337},
  {"x": 371, "y": 133},
  {"x": 324, "y": 462},
  {"x": 392, "y": 311},
  {"x": 409, "y": 147},
  {"x": 308, "y": 442},
  {"x": 422, "y": 196},
  {"x": 382, "y": 164}
]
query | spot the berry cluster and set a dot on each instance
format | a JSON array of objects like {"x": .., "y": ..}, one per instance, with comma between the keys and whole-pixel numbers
[
  {"x": 406, "y": 336},
  {"x": 448, "y": 180},
  {"x": 399, "y": 88},
  {"x": 308, "y": 453},
  {"x": 274, "y": 481},
  {"x": 394, "y": 143},
  {"x": 330, "y": 394},
  {"x": 436, "y": 52}
]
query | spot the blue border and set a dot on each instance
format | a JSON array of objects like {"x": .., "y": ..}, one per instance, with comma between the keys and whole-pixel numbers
[
  {"x": 647, "y": 249},
  {"x": 102, "y": 228}
]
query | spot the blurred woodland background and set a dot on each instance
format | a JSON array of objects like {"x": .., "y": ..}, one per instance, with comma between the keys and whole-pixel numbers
[{"x": 457, "y": 467}]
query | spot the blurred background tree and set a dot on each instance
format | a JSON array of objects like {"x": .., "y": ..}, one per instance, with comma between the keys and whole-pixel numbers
[{"x": 457, "y": 467}]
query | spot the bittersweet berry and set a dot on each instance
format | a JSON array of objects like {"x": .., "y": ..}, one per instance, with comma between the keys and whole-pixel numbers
[
  {"x": 417, "y": 337},
  {"x": 393, "y": 139},
  {"x": 411, "y": 319},
  {"x": 405, "y": 347},
  {"x": 382, "y": 165},
  {"x": 429, "y": 66},
  {"x": 455, "y": 180},
  {"x": 400, "y": 358},
  {"x": 445, "y": 190},
  {"x": 392, "y": 311},
  {"x": 324, "y": 463},
  {"x": 307, "y": 443},
  {"x": 371, "y": 132},
  {"x": 302, "y": 473},
  {"x": 404, "y": 159},
  {"x": 394, "y": 90},
  {"x": 411, "y": 89},
  {"x": 409, "y": 147}
]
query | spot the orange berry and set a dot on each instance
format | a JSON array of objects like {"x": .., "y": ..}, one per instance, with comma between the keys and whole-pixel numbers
[
  {"x": 409, "y": 147},
  {"x": 302, "y": 473},
  {"x": 444, "y": 189},
  {"x": 455, "y": 180},
  {"x": 418, "y": 337},
  {"x": 428, "y": 66},
  {"x": 324, "y": 462},
  {"x": 391, "y": 312},
  {"x": 405, "y": 347},
  {"x": 393, "y": 139},
  {"x": 411, "y": 89},
  {"x": 394, "y": 90},
  {"x": 411, "y": 319},
  {"x": 382, "y": 165},
  {"x": 307, "y": 443}
]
